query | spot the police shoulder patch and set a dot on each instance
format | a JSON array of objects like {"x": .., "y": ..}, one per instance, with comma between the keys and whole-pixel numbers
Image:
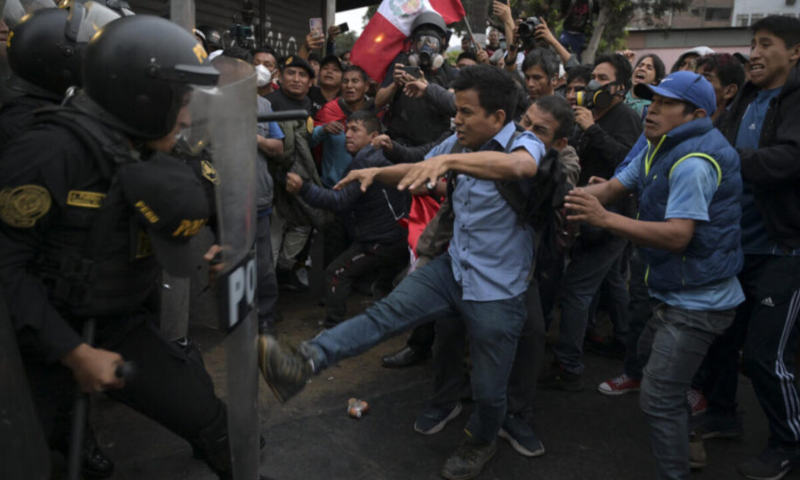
[
  {"x": 209, "y": 172},
  {"x": 22, "y": 206}
]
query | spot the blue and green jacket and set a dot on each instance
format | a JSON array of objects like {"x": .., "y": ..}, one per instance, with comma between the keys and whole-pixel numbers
[{"x": 715, "y": 251}]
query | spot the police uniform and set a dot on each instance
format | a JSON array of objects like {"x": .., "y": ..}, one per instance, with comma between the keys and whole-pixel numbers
[
  {"x": 41, "y": 51},
  {"x": 86, "y": 224}
]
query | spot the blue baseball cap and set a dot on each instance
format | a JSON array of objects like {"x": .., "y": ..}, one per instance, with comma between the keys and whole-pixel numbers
[{"x": 685, "y": 86}]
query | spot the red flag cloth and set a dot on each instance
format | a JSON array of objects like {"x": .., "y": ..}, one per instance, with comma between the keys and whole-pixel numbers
[
  {"x": 385, "y": 34},
  {"x": 422, "y": 210}
]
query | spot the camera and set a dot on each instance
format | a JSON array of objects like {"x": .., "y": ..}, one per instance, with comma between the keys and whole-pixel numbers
[
  {"x": 242, "y": 34},
  {"x": 528, "y": 27}
]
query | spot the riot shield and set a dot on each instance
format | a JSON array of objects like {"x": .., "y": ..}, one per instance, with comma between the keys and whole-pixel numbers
[{"x": 224, "y": 123}]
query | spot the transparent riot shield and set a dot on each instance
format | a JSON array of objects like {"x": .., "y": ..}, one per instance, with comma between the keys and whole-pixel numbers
[{"x": 224, "y": 124}]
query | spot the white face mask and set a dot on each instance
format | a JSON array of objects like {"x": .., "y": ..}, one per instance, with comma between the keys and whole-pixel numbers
[{"x": 264, "y": 76}]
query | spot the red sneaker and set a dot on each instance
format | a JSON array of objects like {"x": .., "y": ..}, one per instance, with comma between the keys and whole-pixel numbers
[
  {"x": 697, "y": 401},
  {"x": 619, "y": 386}
]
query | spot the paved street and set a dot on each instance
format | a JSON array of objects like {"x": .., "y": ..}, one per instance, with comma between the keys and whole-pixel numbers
[{"x": 586, "y": 435}]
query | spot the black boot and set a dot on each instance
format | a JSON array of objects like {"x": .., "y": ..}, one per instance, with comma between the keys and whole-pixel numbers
[
  {"x": 405, "y": 357},
  {"x": 95, "y": 463}
]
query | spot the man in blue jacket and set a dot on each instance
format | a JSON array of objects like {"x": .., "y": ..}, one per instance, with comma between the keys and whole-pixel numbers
[
  {"x": 689, "y": 187},
  {"x": 379, "y": 242}
]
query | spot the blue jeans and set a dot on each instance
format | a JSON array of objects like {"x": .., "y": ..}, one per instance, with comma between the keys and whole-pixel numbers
[
  {"x": 573, "y": 41},
  {"x": 677, "y": 341},
  {"x": 493, "y": 330}
]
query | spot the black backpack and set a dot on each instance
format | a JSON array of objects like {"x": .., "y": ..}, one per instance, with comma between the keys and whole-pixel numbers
[{"x": 536, "y": 201}]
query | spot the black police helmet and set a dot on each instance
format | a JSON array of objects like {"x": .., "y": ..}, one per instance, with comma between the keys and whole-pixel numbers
[
  {"x": 213, "y": 37},
  {"x": 429, "y": 19},
  {"x": 139, "y": 69},
  {"x": 44, "y": 61}
]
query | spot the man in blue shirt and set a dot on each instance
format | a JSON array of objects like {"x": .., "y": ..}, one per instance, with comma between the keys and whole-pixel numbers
[
  {"x": 689, "y": 188},
  {"x": 763, "y": 126},
  {"x": 482, "y": 278}
]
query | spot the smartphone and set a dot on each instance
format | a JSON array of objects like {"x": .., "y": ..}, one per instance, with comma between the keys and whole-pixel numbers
[
  {"x": 315, "y": 26},
  {"x": 413, "y": 71},
  {"x": 343, "y": 28}
]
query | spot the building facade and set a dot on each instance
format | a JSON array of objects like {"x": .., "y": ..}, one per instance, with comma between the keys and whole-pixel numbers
[
  {"x": 747, "y": 12},
  {"x": 283, "y": 24}
]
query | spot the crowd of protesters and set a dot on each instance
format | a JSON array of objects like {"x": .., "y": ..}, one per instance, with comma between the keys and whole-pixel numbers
[
  {"x": 680, "y": 226},
  {"x": 519, "y": 194}
]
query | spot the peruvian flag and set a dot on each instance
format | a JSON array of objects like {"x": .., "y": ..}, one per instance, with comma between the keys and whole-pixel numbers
[{"x": 385, "y": 34}]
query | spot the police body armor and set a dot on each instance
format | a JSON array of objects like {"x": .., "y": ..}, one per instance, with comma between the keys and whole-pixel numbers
[{"x": 96, "y": 259}]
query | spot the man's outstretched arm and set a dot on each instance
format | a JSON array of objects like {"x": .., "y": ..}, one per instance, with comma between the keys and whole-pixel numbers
[
  {"x": 391, "y": 175},
  {"x": 486, "y": 165},
  {"x": 672, "y": 235}
]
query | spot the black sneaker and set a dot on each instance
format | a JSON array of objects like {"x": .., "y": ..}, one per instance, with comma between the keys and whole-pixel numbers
[
  {"x": 286, "y": 373},
  {"x": 557, "y": 378},
  {"x": 521, "y": 436},
  {"x": 714, "y": 425},
  {"x": 468, "y": 459},
  {"x": 773, "y": 463},
  {"x": 433, "y": 420}
]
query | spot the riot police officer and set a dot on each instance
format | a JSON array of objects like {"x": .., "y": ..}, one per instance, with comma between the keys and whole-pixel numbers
[
  {"x": 45, "y": 59},
  {"x": 44, "y": 53},
  {"x": 91, "y": 209}
]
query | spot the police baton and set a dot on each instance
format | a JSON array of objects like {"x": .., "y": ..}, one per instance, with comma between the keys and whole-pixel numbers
[
  {"x": 282, "y": 116},
  {"x": 80, "y": 408}
]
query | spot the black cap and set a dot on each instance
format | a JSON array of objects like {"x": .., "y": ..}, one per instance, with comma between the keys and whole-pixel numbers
[
  {"x": 334, "y": 60},
  {"x": 295, "y": 61},
  {"x": 171, "y": 203}
]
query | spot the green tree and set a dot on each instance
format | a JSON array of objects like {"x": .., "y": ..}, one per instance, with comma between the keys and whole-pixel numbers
[
  {"x": 614, "y": 15},
  {"x": 608, "y": 30},
  {"x": 345, "y": 41},
  {"x": 371, "y": 10}
]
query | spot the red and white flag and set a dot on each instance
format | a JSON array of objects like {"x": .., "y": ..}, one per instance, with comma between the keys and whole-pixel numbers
[{"x": 385, "y": 34}]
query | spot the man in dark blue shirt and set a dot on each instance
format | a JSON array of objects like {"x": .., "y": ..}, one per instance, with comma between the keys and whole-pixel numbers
[
  {"x": 380, "y": 243},
  {"x": 763, "y": 126}
]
